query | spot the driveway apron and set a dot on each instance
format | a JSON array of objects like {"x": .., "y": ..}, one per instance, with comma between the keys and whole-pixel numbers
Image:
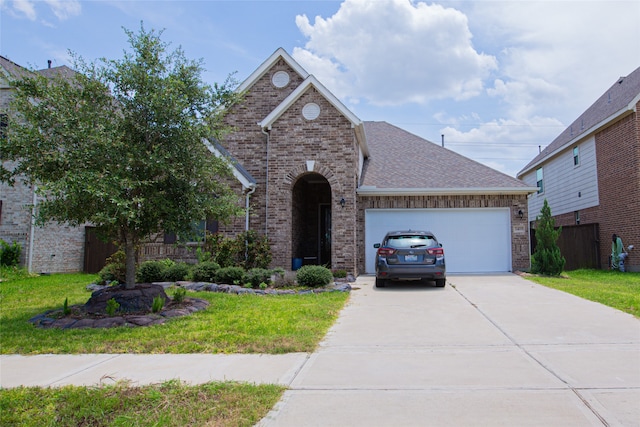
[{"x": 485, "y": 350}]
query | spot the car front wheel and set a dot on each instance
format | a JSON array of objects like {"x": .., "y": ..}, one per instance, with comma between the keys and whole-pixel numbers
[{"x": 440, "y": 283}]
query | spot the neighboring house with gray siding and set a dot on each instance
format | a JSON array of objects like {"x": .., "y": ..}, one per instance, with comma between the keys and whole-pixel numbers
[{"x": 591, "y": 172}]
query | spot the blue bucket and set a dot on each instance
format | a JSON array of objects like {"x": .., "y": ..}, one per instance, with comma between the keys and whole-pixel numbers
[{"x": 296, "y": 263}]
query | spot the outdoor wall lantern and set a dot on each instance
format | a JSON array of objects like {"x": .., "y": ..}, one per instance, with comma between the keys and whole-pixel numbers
[
  {"x": 343, "y": 202},
  {"x": 520, "y": 214}
]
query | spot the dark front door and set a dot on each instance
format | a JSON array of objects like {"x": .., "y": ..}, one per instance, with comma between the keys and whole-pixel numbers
[{"x": 325, "y": 234}]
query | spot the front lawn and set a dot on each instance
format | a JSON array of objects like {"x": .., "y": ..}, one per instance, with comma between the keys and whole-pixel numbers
[
  {"x": 231, "y": 323},
  {"x": 612, "y": 288},
  {"x": 168, "y": 404}
]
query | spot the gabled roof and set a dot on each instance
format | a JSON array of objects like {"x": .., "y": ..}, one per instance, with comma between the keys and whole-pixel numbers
[
  {"x": 311, "y": 81},
  {"x": 619, "y": 100},
  {"x": 402, "y": 163},
  {"x": 266, "y": 66}
]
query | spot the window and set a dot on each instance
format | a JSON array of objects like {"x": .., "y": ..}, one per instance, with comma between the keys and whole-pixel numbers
[
  {"x": 576, "y": 156},
  {"x": 539, "y": 181}
]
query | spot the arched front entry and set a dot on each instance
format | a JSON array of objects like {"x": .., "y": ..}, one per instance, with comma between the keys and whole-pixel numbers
[{"x": 311, "y": 219}]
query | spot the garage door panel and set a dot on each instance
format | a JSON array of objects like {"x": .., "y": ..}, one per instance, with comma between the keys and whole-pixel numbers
[{"x": 475, "y": 240}]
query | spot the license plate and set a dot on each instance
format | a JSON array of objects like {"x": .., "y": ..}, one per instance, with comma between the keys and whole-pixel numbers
[{"x": 411, "y": 258}]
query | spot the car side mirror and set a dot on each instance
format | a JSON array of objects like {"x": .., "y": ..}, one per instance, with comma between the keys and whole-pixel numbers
[
  {"x": 440, "y": 244},
  {"x": 376, "y": 245}
]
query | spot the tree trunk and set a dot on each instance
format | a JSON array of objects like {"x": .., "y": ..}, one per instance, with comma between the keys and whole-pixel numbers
[{"x": 130, "y": 263}]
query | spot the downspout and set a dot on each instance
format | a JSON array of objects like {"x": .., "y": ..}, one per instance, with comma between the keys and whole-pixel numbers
[
  {"x": 266, "y": 187},
  {"x": 32, "y": 230},
  {"x": 252, "y": 189}
]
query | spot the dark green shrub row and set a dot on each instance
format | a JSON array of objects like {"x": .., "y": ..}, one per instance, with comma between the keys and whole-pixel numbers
[{"x": 162, "y": 271}]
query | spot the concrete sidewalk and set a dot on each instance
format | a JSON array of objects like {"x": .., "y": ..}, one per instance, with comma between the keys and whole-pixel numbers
[
  {"x": 52, "y": 370},
  {"x": 485, "y": 350}
]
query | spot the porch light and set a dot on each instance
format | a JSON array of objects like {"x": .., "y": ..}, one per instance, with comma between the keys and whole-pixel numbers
[
  {"x": 343, "y": 202},
  {"x": 520, "y": 214}
]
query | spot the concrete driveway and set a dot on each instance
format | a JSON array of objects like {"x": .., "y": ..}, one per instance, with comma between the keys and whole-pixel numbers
[{"x": 485, "y": 350}]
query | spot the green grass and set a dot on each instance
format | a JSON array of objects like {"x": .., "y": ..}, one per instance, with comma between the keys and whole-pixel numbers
[
  {"x": 231, "y": 323},
  {"x": 168, "y": 404},
  {"x": 612, "y": 288}
]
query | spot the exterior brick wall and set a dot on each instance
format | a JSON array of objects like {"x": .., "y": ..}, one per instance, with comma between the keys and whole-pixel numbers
[
  {"x": 279, "y": 160},
  {"x": 618, "y": 154},
  {"x": 520, "y": 257},
  {"x": 57, "y": 248}
]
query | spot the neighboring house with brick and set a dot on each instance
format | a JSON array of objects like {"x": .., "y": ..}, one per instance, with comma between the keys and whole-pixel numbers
[
  {"x": 324, "y": 186},
  {"x": 590, "y": 176},
  {"x": 54, "y": 247},
  {"x": 328, "y": 185}
]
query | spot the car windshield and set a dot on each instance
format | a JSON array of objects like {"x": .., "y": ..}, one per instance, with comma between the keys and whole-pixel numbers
[{"x": 410, "y": 241}]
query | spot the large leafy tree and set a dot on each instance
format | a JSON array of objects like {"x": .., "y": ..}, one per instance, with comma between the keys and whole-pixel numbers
[
  {"x": 547, "y": 258},
  {"x": 122, "y": 144}
]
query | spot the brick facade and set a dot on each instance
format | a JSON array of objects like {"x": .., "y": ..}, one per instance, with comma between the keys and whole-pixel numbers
[
  {"x": 278, "y": 162},
  {"x": 56, "y": 248}
]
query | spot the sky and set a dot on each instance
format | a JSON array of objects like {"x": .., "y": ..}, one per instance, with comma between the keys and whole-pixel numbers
[{"x": 499, "y": 79}]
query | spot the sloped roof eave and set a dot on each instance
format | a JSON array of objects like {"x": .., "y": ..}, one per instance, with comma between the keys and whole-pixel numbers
[
  {"x": 374, "y": 191},
  {"x": 239, "y": 172},
  {"x": 592, "y": 131},
  {"x": 267, "y": 64}
]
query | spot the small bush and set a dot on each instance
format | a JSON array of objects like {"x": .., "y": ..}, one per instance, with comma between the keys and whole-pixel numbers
[
  {"x": 176, "y": 272},
  {"x": 112, "y": 307},
  {"x": 65, "y": 307},
  {"x": 179, "y": 295},
  {"x": 9, "y": 254},
  {"x": 340, "y": 274},
  {"x": 314, "y": 276},
  {"x": 114, "y": 269},
  {"x": 205, "y": 271},
  {"x": 255, "y": 276},
  {"x": 230, "y": 275},
  {"x": 157, "y": 304},
  {"x": 151, "y": 271}
]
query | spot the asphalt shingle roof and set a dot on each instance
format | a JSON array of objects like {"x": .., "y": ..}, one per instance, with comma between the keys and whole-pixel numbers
[
  {"x": 615, "y": 99},
  {"x": 401, "y": 160}
]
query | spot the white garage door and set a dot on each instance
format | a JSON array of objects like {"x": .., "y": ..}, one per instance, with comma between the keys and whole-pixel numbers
[{"x": 474, "y": 240}]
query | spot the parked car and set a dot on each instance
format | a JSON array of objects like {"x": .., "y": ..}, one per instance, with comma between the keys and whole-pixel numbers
[{"x": 410, "y": 255}]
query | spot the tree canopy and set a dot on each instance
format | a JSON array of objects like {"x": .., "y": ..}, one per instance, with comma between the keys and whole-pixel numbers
[{"x": 121, "y": 144}]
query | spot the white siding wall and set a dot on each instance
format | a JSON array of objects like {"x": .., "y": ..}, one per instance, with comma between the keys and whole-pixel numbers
[{"x": 567, "y": 188}]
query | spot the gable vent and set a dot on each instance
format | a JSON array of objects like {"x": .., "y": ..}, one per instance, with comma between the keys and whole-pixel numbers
[
  {"x": 280, "y": 79},
  {"x": 311, "y": 111}
]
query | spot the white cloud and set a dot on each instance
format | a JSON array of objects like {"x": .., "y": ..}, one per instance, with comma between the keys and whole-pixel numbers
[
  {"x": 21, "y": 7},
  {"x": 62, "y": 9},
  {"x": 394, "y": 52}
]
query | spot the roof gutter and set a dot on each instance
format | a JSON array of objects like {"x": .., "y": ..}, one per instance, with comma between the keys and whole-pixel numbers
[{"x": 374, "y": 191}]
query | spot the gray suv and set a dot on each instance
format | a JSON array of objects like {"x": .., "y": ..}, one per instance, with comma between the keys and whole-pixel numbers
[{"x": 410, "y": 255}]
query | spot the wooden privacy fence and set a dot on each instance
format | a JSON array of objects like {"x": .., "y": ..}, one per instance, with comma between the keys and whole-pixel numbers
[
  {"x": 96, "y": 251},
  {"x": 579, "y": 245}
]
